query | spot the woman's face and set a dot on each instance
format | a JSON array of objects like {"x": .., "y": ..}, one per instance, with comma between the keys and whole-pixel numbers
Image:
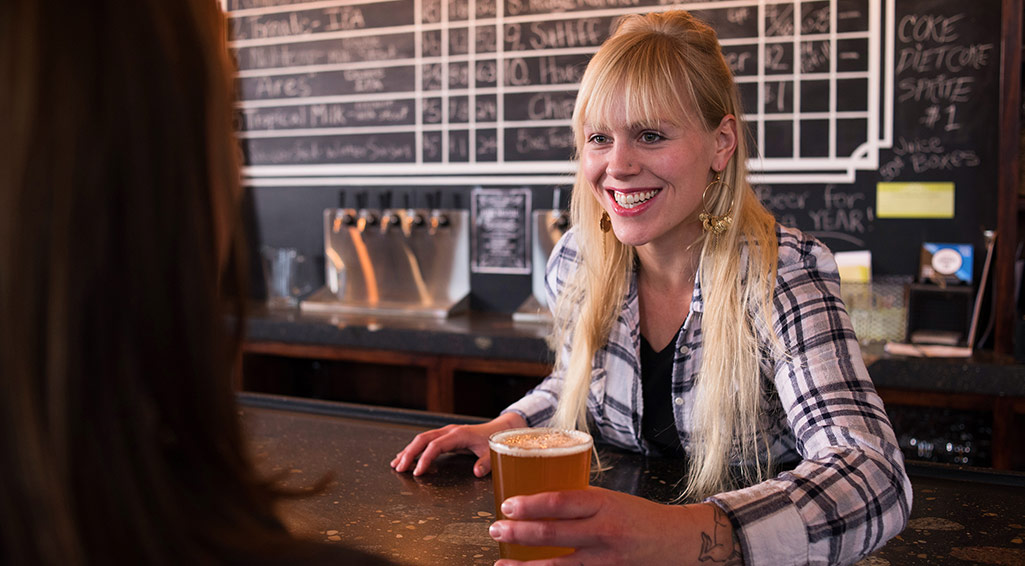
[{"x": 650, "y": 179}]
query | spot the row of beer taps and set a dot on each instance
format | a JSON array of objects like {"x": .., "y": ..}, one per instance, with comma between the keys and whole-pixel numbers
[{"x": 407, "y": 218}]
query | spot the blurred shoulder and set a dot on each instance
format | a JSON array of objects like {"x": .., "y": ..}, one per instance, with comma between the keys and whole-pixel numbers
[
  {"x": 800, "y": 251},
  {"x": 565, "y": 255},
  {"x": 567, "y": 248}
]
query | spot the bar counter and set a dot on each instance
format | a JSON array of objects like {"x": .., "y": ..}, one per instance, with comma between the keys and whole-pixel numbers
[
  {"x": 491, "y": 335},
  {"x": 960, "y": 515},
  {"x": 496, "y": 336},
  {"x": 477, "y": 363}
]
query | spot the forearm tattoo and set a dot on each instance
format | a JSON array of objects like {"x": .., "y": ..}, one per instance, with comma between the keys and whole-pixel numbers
[{"x": 720, "y": 546}]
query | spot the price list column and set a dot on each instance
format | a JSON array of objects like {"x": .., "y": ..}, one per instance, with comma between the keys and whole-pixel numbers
[{"x": 458, "y": 81}]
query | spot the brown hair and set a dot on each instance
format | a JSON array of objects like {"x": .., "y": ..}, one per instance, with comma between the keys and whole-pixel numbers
[{"x": 120, "y": 262}]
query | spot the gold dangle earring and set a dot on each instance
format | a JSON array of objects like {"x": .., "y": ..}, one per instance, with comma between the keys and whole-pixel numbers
[
  {"x": 605, "y": 223},
  {"x": 711, "y": 222}
]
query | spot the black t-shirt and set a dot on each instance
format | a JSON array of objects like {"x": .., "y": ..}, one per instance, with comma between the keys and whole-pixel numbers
[{"x": 658, "y": 424}]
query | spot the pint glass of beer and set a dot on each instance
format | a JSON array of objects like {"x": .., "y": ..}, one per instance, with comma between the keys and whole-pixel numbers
[{"x": 525, "y": 461}]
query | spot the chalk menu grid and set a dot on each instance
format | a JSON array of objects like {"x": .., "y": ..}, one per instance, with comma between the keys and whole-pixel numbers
[{"x": 481, "y": 91}]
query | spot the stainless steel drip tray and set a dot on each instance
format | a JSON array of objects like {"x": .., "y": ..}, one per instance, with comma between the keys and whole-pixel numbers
[
  {"x": 532, "y": 311},
  {"x": 324, "y": 301}
]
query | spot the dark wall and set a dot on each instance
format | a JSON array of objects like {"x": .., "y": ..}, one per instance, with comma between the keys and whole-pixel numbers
[{"x": 340, "y": 108}]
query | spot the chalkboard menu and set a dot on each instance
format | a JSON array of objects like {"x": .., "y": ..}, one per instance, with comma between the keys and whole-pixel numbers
[
  {"x": 840, "y": 95},
  {"x": 936, "y": 123}
]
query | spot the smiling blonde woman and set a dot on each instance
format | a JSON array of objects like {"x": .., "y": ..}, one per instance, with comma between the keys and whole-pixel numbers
[{"x": 690, "y": 324}]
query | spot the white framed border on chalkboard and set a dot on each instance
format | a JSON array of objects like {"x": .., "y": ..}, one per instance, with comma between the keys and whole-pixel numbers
[
  {"x": 371, "y": 89},
  {"x": 500, "y": 236}
]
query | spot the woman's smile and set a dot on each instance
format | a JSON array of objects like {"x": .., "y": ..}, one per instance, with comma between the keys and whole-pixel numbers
[{"x": 632, "y": 201}]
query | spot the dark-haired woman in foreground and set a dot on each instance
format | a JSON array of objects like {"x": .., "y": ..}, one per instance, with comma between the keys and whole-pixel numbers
[{"x": 119, "y": 261}]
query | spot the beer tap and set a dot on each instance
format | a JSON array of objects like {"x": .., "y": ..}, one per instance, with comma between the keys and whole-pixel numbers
[
  {"x": 562, "y": 220},
  {"x": 438, "y": 220},
  {"x": 347, "y": 218},
  {"x": 416, "y": 219},
  {"x": 388, "y": 216},
  {"x": 367, "y": 217}
]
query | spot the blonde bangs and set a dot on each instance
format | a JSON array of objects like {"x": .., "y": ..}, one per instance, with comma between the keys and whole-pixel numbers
[{"x": 645, "y": 74}]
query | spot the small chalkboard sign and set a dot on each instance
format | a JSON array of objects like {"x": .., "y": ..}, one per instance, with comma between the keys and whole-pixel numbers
[{"x": 500, "y": 238}]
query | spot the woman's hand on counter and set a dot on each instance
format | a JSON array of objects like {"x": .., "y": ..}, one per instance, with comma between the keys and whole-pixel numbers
[
  {"x": 427, "y": 446},
  {"x": 610, "y": 527}
]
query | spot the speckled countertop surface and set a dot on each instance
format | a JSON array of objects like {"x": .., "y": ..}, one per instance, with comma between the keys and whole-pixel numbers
[
  {"x": 960, "y": 516},
  {"x": 498, "y": 336}
]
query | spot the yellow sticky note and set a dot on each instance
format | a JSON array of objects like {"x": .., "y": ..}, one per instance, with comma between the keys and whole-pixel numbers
[
  {"x": 854, "y": 267},
  {"x": 915, "y": 200},
  {"x": 855, "y": 274}
]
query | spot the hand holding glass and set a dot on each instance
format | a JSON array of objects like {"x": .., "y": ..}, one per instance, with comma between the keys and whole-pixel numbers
[{"x": 525, "y": 461}]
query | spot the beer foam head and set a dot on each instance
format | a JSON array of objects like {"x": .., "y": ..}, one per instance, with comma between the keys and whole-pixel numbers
[{"x": 540, "y": 442}]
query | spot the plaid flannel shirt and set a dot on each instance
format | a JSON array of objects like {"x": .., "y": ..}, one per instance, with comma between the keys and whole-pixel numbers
[{"x": 848, "y": 495}]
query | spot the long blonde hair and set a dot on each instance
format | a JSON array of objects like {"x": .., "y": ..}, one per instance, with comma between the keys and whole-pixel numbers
[{"x": 667, "y": 63}]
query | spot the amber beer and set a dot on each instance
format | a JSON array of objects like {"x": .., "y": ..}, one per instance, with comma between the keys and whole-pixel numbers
[{"x": 525, "y": 461}]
